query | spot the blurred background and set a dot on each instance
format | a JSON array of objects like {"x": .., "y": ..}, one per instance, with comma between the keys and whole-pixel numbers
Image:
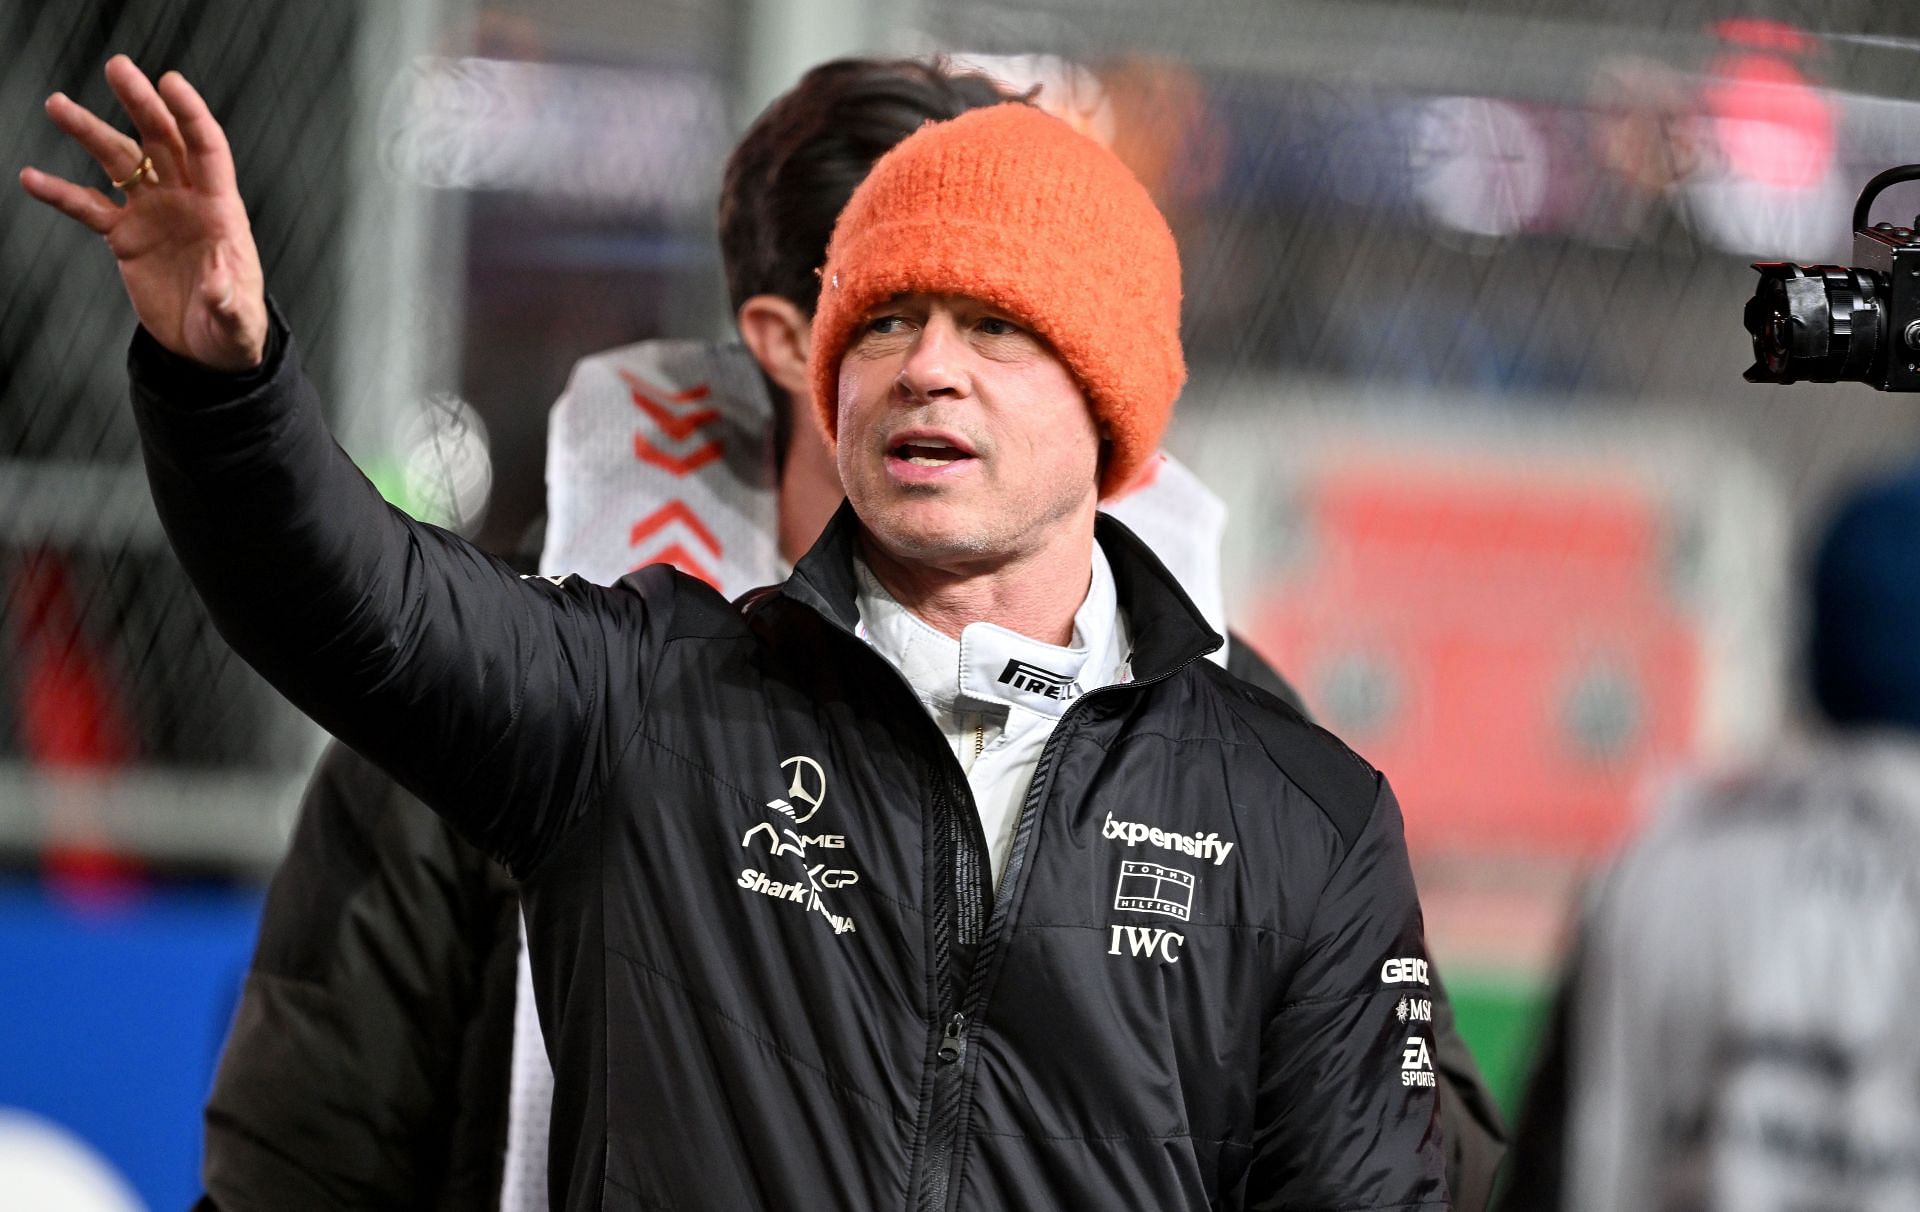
[{"x": 1463, "y": 295}]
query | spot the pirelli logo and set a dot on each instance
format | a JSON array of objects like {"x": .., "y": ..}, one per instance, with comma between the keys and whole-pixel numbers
[
  {"x": 1152, "y": 888},
  {"x": 1035, "y": 680}
]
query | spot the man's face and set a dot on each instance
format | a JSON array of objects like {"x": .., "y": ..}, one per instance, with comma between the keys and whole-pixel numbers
[{"x": 963, "y": 438}]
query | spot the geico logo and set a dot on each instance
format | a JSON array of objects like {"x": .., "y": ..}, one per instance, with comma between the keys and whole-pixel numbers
[
  {"x": 1407, "y": 971},
  {"x": 1035, "y": 680},
  {"x": 1200, "y": 845},
  {"x": 1147, "y": 941}
]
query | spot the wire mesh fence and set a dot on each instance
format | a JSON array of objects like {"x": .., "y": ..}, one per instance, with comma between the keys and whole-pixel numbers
[
  {"x": 1505, "y": 243},
  {"x": 110, "y": 662},
  {"x": 1463, "y": 290}
]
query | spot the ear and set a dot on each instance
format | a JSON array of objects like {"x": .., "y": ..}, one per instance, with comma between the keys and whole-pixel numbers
[{"x": 779, "y": 335}]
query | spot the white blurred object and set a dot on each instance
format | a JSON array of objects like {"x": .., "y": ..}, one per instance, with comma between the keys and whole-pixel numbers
[
  {"x": 1479, "y": 165},
  {"x": 44, "y": 1167},
  {"x": 1067, "y": 90},
  {"x": 447, "y": 460},
  {"x": 617, "y": 140}
]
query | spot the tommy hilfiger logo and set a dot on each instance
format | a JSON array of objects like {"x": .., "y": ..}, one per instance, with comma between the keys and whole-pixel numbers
[
  {"x": 1035, "y": 680},
  {"x": 1152, "y": 888}
]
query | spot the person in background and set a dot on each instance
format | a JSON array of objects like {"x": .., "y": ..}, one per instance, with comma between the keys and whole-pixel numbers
[{"x": 1732, "y": 1032}]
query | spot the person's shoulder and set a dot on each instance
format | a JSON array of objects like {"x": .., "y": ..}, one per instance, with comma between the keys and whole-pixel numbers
[
  {"x": 1341, "y": 783},
  {"x": 658, "y": 382},
  {"x": 687, "y": 606}
]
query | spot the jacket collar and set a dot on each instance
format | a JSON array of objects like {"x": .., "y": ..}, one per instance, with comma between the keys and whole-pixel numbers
[{"x": 1168, "y": 629}]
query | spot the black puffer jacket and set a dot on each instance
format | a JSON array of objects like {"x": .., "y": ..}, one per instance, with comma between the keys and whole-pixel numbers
[{"x": 767, "y": 952}]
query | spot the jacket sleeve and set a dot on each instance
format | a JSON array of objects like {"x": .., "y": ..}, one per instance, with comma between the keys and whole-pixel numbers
[
  {"x": 483, "y": 693},
  {"x": 1347, "y": 1116},
  {"x": 1469, "y": 1115},
  {"x": 367, "y": 1062}
]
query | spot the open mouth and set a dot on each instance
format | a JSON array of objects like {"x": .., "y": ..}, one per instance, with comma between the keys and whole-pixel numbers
[{"x": 928, "y": 454}]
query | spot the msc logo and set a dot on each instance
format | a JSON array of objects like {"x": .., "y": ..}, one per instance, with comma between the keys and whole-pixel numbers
[
  {"x": 1418, "y": 1009},
  {"x": 809, "y": 791},
  {"x": 1407, "y": 971},
  {"x": 1035, "y": 680},
  {"x": 1148, "y": 941}
]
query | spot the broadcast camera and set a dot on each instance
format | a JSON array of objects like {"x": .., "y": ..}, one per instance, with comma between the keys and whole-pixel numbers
[{"x": 1835, "y": 323}]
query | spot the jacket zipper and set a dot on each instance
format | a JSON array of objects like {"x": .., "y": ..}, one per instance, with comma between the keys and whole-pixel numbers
[
  {"x": 956, "y": 1014},
  {"x": 937, "y": 1193}
]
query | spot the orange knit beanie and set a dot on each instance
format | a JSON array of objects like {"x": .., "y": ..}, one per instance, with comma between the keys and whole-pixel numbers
[{"x": 1013, "y": 207}]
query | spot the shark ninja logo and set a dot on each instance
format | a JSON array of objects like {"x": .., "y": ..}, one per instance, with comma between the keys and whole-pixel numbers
[
  {"x": 806, "y": 793},
  {"x": 1035, "y": 680}
]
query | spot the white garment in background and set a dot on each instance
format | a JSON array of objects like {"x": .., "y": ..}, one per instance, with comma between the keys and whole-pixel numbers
[
  {"x": 523, "y": 1184},
  {"x": 1742, "y": 1027}
]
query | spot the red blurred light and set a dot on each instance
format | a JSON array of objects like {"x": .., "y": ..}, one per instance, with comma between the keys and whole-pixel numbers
[{"x": 1775, "y": 126}]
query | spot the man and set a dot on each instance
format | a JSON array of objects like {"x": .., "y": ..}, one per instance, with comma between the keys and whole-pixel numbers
[
  {"x": 1733, "y": 1027},
  {"x": 946, "y": 873},
  {"x": 383, "y": 1054}
]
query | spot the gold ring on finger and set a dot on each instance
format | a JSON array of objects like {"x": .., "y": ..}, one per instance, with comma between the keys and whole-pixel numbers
[{"x": 142, "y": 172}]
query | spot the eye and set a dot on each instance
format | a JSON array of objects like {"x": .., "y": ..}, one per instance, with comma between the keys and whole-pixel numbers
[
  {"x": 886, "y": 324},
  {"x": 995, "y": 326}
]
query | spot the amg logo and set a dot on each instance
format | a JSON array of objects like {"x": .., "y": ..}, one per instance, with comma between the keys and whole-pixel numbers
[{"x": 1035, "y": 680}]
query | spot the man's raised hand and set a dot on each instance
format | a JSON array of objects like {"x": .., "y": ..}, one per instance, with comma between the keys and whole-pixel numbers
[{"x": 181, "y": 236}]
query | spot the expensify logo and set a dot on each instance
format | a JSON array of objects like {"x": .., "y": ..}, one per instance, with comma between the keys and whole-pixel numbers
[{"x": 1200, "y": 845}]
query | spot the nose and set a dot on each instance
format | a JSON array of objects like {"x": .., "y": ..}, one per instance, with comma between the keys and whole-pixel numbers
[{"x": 936, "y": 364}]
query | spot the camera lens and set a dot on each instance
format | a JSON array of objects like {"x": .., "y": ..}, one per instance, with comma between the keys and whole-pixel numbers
[{"x": 1819, "y": 322}]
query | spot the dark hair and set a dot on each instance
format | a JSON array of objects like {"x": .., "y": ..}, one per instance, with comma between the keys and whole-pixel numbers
[{"x": 802, "y": 158}]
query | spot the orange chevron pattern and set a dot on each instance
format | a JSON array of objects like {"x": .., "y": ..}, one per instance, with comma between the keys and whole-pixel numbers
[
  {"x": 672, "y": 511},
  {"x": 677, "y": 465},
  {"x": 679, "y": 427}
]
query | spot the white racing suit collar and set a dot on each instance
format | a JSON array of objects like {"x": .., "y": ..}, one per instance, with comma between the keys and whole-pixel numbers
[{"x": 991, "y": 668}]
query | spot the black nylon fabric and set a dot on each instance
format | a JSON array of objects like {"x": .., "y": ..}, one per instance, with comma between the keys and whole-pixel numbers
[
  {"x": 367, "y": 1063},
  {"x": 721, "y": 819}
]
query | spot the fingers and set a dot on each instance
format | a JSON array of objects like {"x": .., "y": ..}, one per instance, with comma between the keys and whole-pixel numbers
[
  {"x": 209, "y": 158},
  {"x": 87, "y": 206},
  {"x": 159, "y": 133},
  {"x": 112, "y": 151}
]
